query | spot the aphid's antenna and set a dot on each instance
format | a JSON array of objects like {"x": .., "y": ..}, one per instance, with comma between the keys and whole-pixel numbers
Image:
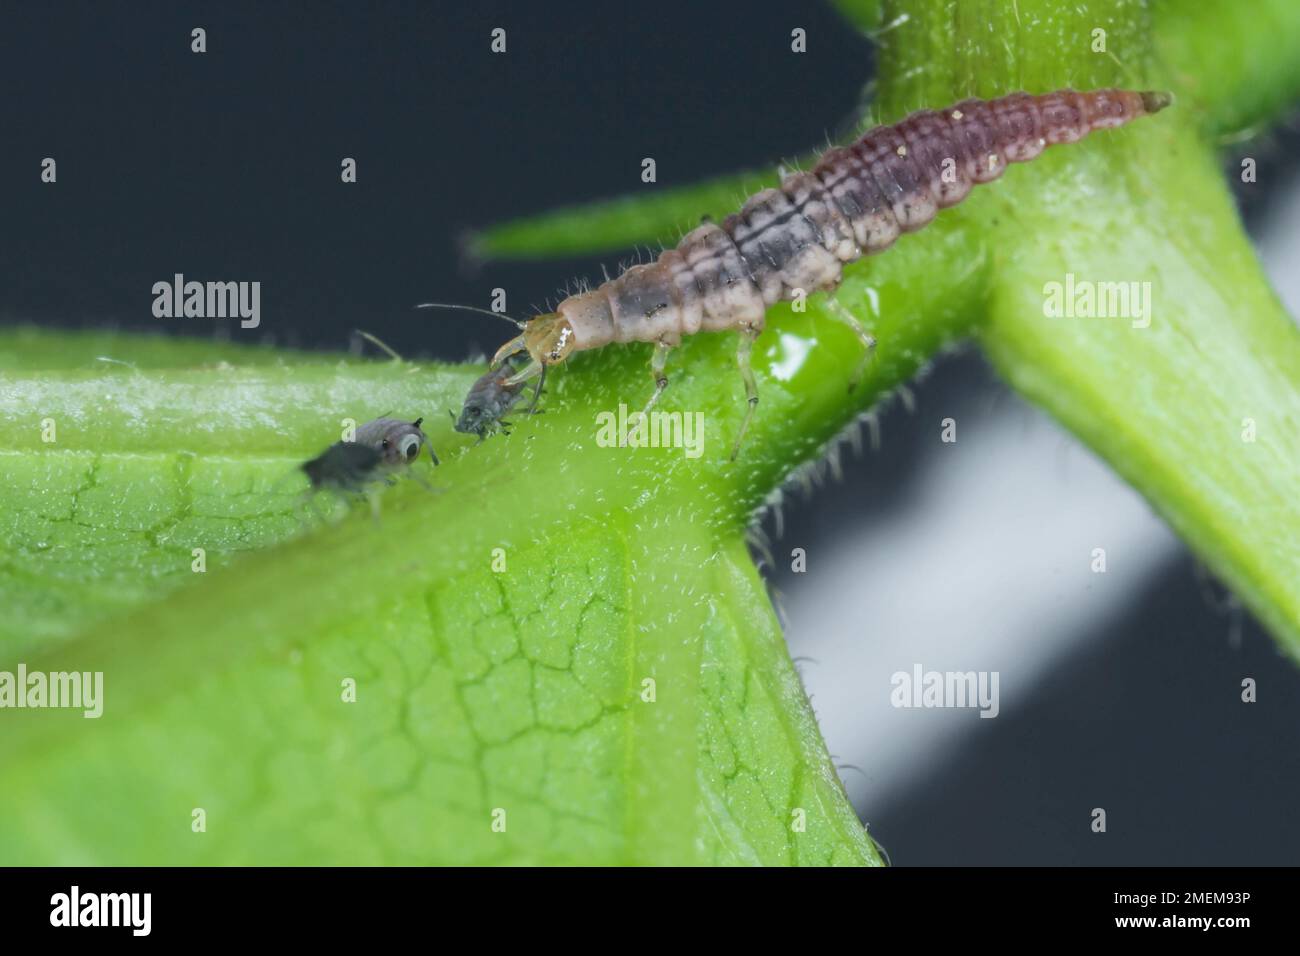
[
  {"x": 379, "y": 344},
  {"x": 470, "y": 308},
  {"x": 432, "y": 454}
]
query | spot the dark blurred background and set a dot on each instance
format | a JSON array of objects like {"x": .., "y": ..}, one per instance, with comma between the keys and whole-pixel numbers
[{"x": 1119, "y": 691}]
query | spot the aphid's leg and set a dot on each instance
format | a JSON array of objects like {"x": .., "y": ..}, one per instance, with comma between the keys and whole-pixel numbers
[
  {"x": 840, "y": 313},
  {"x": 337, "y": 504},
  {"x": 747, "y": 336},
  {"x": 657, "y": 365},
  {"x": 531, "y": 370},
  {"x": 306, "y": 507},
  {"x": 372, "y": 494},
  {"x": 530, "y": 410},
  {"x": 419, "y": 480}
]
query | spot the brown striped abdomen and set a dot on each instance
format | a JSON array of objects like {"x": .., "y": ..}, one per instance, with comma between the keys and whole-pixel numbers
[{"x": 856, "y": 201}]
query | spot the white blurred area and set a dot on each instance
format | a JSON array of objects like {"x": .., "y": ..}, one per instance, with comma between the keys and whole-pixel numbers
[
  {"x": 1279, "y": 246},
  {"x": 984, "y": 566}
]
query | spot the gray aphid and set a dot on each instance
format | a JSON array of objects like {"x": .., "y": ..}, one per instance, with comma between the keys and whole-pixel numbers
[
  {"x": 490, "y": 398},
  {"x": 379, "y": 447}
]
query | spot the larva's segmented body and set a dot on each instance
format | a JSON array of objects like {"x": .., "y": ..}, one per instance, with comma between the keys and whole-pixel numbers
[{"x": 857, "y": 200}]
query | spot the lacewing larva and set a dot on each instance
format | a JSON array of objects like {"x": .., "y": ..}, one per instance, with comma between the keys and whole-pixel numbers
[
  {"x": 856, "y": 201},
  {"x": 379, "y": 448}
]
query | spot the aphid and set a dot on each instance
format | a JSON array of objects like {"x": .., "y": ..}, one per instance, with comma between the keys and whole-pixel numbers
[
  {"x": 344, "y": 466},
  {"x": 380, "y": 447},
  {"x": 855, "y": 201},
  {"x": 488, "y": 401},
  {"x": 494, "y": 393}
]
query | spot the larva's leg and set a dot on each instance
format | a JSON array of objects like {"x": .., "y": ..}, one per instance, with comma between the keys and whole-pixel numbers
[
  {"x": 747, "y": 337},
  {"x": 840, "y": 313},
  {"x": 657, "y": 365}
]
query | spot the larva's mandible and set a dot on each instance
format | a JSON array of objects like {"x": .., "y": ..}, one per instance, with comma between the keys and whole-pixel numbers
[{"x": 856, "y": 201}]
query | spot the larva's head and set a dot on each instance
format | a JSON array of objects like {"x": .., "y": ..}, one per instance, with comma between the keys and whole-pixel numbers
[{"x": 549, "y": 338}]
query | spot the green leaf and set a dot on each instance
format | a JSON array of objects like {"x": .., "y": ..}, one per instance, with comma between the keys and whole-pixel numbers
[
  {"x": 179, "y": 449},
  {"x": 1234, "y": 65},
  {"x": 617, "y": 223},
  {"x": 477, "y": 690}
]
